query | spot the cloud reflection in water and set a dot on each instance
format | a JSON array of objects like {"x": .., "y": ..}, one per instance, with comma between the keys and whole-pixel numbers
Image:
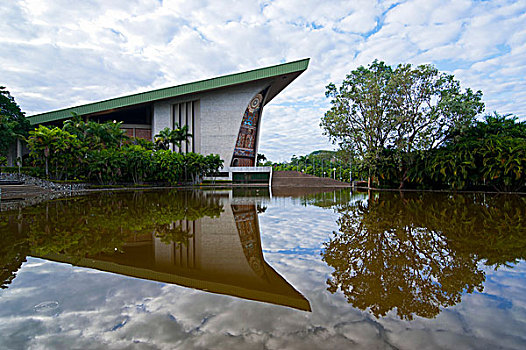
[{"x": 100, "y": 310}]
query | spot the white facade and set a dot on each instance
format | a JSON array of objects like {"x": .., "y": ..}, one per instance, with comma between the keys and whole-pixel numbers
[
  {"x": 214, "y": 118},
  {"x": 216, "y": 112}
]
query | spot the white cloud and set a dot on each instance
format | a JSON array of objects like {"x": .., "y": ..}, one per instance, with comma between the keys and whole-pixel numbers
[{"x": 56, "y": 54}]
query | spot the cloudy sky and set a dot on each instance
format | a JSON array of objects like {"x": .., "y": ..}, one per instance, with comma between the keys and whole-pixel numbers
[{"x": 58, "y": 53}]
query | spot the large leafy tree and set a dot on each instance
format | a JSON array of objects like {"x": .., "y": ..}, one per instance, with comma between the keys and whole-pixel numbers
[
  {"x": 361, "y": 117},
  {"x": 13, "y": 122},
  {"x": 406, "y": 109}
]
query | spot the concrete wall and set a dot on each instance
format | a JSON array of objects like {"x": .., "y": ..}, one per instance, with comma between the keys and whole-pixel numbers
[
  {"x": 219, "y": 116},
  {"x": 162, "y": 111}
]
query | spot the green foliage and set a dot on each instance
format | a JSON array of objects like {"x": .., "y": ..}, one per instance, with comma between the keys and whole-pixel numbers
[
  {"x": 177, "y": 136},
  {"x": 13, "y": 251},
  {"x": 360, "y": 118},
  {"x": 102, "y": 153},
  {"x": 106, "y": 165},
  {"x": 163, "y": 139},
  {"x": 146, "y": 144},
  {"x": 13, "y": 123},
  {"x": 404, "y": 109},
  {"x": 56, "y": 148},
  {"x": 138, "y": 162},
  {"x": 213, "y": 163},
  {"x": 491, "y": 153},
  {"x": 96, "y": 135},
  {"x": 322, "y": 164},
  {"x": 178, "y": 167},
  {"x": 180, "y": 135},
  {"x": 170, "y": 166}
]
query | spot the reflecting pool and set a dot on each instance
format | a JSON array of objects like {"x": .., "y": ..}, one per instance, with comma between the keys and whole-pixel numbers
[{"x": 221, "y": 269}]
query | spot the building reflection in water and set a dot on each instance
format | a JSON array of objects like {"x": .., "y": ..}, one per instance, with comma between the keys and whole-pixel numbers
[{"x": 203, "y": 240}]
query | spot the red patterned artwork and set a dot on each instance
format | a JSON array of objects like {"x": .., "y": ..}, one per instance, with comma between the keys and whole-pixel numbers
[{"x": 245, "y": 150}]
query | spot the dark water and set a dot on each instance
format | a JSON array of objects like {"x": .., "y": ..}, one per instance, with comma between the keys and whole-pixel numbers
[{"x": 242, "y": 269}]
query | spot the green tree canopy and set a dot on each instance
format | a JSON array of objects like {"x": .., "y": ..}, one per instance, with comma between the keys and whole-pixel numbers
[
  {"x": 13, "y": 122},
  {"x": 406, "y": 109}
]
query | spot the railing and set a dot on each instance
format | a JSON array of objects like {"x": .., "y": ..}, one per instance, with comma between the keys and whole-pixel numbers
[{"x": 251, "y": 169}]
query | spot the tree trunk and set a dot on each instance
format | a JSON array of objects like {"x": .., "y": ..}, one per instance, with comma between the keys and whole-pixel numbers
[{"x": 403, "y": 180}]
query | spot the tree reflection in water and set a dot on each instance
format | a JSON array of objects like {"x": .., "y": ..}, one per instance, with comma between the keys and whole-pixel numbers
[
  {"x": 89, "y": 225},
  {"x": 418, "y": 253}
]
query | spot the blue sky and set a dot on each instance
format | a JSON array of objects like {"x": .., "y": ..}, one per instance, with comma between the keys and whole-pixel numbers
[{"x": 55, "y": 54}]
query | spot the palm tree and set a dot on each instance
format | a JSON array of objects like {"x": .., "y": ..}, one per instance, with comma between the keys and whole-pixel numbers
[
  {"x": 260, "y": 159},
  {"x": 163, "y": 139},
  {"x": 179, "y": 135}
]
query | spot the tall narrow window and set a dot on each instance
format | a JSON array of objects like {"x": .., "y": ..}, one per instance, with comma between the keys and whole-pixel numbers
[{"x": 184, "y": 114}]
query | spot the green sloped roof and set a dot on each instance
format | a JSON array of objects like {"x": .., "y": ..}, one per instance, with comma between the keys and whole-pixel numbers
[{"x": 154, "y": 95}]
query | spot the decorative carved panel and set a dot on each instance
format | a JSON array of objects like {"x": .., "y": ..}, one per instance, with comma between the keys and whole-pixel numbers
[{"x": 245, "y": 149}]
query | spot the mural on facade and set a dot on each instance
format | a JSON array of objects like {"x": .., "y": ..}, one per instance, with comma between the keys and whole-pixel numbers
[{"x": 245, "y": 150}]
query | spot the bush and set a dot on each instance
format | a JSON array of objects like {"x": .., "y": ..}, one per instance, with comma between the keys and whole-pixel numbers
[
  {"x": 31, "y": 171},
  {"x": 101, "y": 154}
]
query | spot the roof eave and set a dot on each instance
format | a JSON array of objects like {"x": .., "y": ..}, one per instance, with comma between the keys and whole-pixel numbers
[{"x": 174, "y": 91}]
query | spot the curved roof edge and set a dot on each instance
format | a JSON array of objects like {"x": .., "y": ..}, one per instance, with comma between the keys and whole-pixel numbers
[
  {"x": 174, "y": 91},
  {"x": 291, "y": 298}
]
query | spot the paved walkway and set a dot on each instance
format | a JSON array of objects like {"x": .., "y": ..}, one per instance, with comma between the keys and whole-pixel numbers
[
  {"x": 297, "y": 179},
  {"x": 20, "y": 192}
]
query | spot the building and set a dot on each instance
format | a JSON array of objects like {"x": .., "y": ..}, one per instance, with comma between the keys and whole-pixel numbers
[
  {"x": 223, "y": 114},
  {"x": 222, "y": 254}
]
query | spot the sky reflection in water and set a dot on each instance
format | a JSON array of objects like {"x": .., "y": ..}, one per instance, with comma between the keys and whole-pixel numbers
[{"x": 417, "y": 271}]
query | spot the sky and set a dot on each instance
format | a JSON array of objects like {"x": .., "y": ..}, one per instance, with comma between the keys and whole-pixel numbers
[{"x": 58, "y": 53}]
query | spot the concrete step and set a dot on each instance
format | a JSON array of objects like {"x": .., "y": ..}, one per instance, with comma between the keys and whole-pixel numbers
[
  {"x": 21, "y": 191},
  {"x": 10, "y": 182}
]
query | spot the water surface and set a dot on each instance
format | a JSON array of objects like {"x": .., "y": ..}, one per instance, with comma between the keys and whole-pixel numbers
[{"x": 242, "y": 269}]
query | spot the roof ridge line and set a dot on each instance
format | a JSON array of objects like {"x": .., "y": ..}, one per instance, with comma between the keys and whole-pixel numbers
[{"x": 302, "y": 66}]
